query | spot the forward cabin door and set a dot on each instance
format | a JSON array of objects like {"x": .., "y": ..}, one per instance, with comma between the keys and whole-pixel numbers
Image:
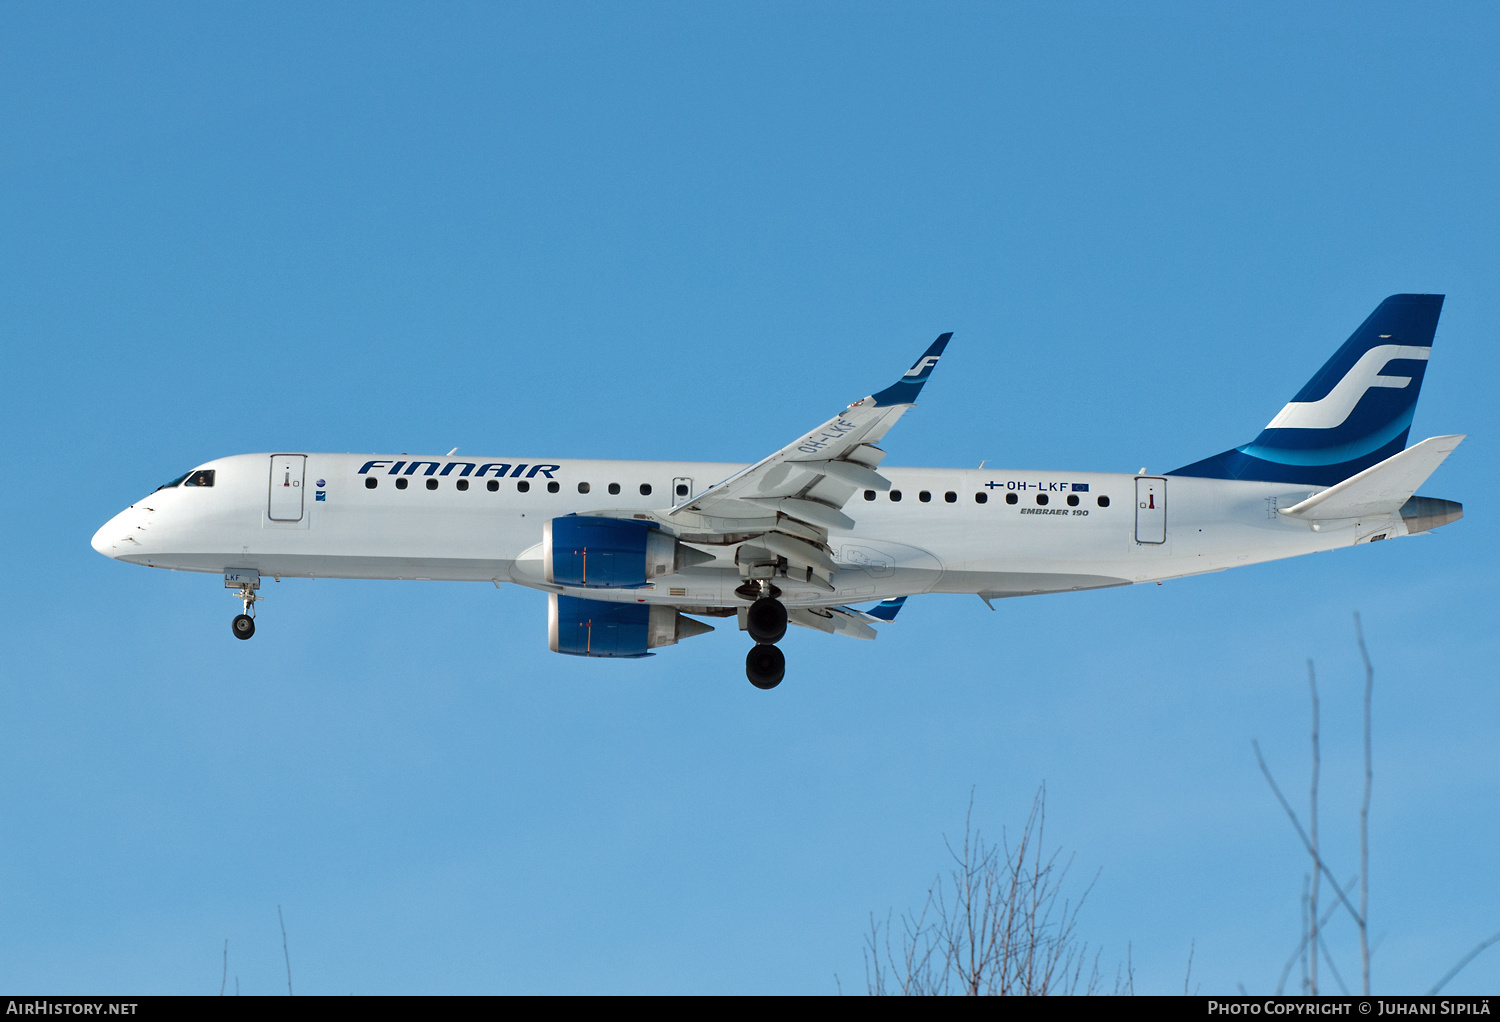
[
  {"x": 1150, "y": 509},
  {"x": 287, "y": 472}
]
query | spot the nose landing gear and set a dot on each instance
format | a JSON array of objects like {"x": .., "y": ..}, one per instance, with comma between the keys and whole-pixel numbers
[
  {"x": 246, "y": 581},
  {"x": 765, "y": 664}
]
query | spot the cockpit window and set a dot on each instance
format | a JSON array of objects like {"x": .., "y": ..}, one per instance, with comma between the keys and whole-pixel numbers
[
  {"x": 202, "y": 477},
  {"x": 174, "y": 482}
]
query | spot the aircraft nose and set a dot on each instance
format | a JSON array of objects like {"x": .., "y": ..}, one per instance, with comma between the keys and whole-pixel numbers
[{"x": 105, "y": 539}]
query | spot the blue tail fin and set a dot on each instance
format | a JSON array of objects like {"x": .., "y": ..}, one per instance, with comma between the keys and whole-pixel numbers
[
  {"x": 887, "y": 610},
  {"x": 1354, "y": 413}
]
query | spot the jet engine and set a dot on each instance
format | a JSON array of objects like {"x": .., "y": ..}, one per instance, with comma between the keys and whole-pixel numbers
[
  {"x": 611, "y": 553},
  {"x": 599, "y": 628}
]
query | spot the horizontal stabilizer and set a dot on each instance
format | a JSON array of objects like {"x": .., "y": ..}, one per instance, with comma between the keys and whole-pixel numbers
[
  {"x": 887, "y": 610},
  {"x": 1379, "y": 489}
]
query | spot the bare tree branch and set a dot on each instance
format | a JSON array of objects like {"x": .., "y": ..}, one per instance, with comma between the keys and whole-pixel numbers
[
  {"x": 1333, "y": 968},
  {"x": 287, "y": 954},
  {"x": 1296, "y": 823},
  {"x": 996, "y": 922},
  {"x": 1286, "y": 970},
  {"x": 1312, "y": 902},
  {"x": 1465, "y": 960},
  {"x": 1364, "y": 815}
]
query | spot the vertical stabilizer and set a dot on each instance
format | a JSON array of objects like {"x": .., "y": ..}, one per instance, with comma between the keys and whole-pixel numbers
[{"x": 1353, "y": 414}]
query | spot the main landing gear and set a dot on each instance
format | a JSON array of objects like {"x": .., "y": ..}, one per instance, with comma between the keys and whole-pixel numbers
[
  {"x": 246, "y": 582},
  {"x": 765, "y": 664}
]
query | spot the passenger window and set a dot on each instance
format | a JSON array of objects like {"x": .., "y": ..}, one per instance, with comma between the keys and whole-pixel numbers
[
  {"x": 614, "y": 488},
  {"x": 1103, "y": 500},
  {"x": 371, "y": 482},
  {"x": 583, "y": 487},
  {"x": 432, "y": 484},
  {"x": 202, "y": 477},
  {"x": 1011, "y": 498},
  {"x": 682, "y": 490},
  {"x": 462, "y": 484},
  {"x": 401, "y": 482},
  {"x": 981, "y": 497},
  {"x": 1072, "y": 500},
  {"x": 553, "y": 487},
  {"x": 869, "y": 495},
  {"x": 925, "y": 496},
  {"x": 645, "y": 489},
  {"x": 1041, "y": 498},
  {"x": 896, "y": 495},
  {"x": 951, "y": 497}
]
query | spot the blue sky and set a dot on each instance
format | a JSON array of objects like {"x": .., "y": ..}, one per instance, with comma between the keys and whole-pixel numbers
[{"x": 676, "y": 231}]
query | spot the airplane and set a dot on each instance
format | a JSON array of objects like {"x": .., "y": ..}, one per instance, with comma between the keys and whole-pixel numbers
[{"x": 633, "y": 554}]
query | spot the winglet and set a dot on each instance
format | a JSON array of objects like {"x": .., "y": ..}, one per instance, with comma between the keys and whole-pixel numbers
[
  {"x": 886, "y": 610},
  {"x": 905, "y": 390}
]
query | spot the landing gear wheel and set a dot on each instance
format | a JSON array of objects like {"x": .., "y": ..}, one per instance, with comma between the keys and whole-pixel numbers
[
  {"x": 765, "y": 665},
  {"x": 243, "y": 625},
  {"x": 766, "y": 621}
]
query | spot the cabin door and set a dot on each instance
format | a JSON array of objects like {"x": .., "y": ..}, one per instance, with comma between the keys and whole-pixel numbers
[
  {"x": 285, "y": 503},
  {"x": 1150, "y": 509}
]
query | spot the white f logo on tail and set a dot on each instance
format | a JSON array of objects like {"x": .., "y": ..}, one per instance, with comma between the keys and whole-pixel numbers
[
  {"x": 923, "y": 364},
  {"x": 1332, "y": 410}
]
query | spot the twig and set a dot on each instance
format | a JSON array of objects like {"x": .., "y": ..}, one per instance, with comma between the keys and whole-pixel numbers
[
  {"x": 1317, "y": 763},
  {"x": 1465, "y": 960},
  {"x": 1333, "y": 968},
  {"x": 287, "y": 954},
  {"x": 1364, "y": 816},
  {"x": 1292, "y": 815},
  {"x": 1185, "y": 979},
  {"x": 224, "y": 981},
  {"x": 1286, "y": 970},
  {"x": 1306, "y": 931}
]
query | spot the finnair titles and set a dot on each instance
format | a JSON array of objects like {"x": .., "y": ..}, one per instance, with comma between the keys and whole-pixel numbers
[{"x": 633, "y": 555}]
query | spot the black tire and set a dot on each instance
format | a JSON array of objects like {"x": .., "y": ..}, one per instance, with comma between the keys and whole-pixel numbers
[
  {"x": 766, "y": 621},
  {"x": 243, "y": 625},
  {"x": 765, "y": 665}
]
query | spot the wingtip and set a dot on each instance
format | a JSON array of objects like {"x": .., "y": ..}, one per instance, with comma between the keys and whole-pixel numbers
[{"x": 905, "y": 390}]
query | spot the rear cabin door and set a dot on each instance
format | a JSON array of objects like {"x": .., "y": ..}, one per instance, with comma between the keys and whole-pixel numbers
[
  {"x": 287, "y": 471},
  {"x": 1150, "y": 509}
]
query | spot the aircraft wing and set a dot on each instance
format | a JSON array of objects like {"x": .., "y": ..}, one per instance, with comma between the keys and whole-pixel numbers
[{"x": 811, "y": 479}]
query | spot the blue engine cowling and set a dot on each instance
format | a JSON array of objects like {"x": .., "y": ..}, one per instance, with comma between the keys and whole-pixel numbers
[
  {"x": 601, "y": 628},
  {"x": 606, "y": 553}
]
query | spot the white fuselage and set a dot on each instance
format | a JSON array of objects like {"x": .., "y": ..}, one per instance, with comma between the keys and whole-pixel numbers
[{"x": 339, "y": 527}]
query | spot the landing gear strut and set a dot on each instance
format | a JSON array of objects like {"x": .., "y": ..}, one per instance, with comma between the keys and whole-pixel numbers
[
  {"x": 765, "y": 665},
  {"x": 246, "y": 582}
]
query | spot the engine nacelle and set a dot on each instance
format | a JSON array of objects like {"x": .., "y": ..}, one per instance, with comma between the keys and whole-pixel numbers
[
  {"x": 582, "y": 627},
  {"x": 610, "y": 553}
]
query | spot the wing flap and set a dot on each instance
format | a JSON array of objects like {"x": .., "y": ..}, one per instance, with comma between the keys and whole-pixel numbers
[{"x": 831, "y": 620}]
